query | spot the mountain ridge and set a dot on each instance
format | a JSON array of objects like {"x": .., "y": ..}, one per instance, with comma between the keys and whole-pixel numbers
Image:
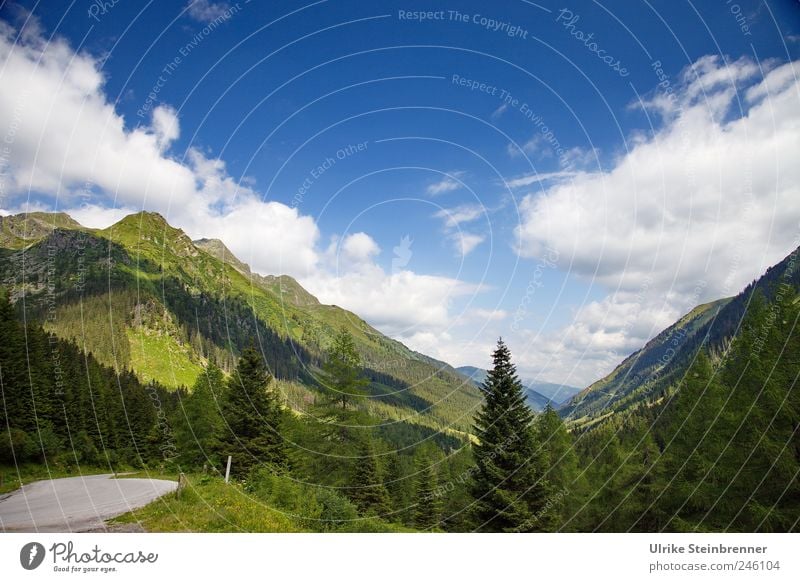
[
  {"x": 649, "y": 373},
  {"x": 173, "y": 298}
]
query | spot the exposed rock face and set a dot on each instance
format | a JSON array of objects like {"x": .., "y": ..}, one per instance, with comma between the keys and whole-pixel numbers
[{"x": 284, "y": 286}]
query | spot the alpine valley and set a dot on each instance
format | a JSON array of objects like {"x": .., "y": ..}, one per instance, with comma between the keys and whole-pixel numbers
[{"x": 134, "y": 347}]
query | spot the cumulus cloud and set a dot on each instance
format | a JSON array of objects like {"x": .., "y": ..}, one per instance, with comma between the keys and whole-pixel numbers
[
  {"x": 401, "y": 303},
  {"x": 165, "y": 126},
  {"x": 71, "y": 144},
  {"x": 72, "y": 148},
  {"x": 353, "y": 251},
  {"x": 688, "y": 215},
  {"x": 360, "y": 247}
]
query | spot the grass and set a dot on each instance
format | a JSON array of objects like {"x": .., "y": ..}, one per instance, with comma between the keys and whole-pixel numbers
[
  {"x": 161, "y": 358},
  {"x": 207, "y": 504}
]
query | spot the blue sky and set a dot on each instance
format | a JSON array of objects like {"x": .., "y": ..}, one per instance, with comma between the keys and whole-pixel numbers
[{"x": 570, "y": 176}]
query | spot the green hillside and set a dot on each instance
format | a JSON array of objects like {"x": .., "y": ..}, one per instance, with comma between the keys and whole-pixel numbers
[
  {"x": 142, "y": 295},
  {"x": 648, "y": 375},
  {"x": 644, "y": 372}
]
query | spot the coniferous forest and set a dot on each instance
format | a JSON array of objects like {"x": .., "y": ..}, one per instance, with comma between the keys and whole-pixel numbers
[{"x": 322, "y": 433}]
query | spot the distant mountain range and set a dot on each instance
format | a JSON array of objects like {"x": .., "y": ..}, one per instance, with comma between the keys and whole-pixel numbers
[{"x": 539, "y": 394}]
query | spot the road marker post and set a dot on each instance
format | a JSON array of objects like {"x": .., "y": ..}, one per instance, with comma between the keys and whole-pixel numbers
[
  {"x": 228, "y": 470},
  {"x": 182, "y": 482}
]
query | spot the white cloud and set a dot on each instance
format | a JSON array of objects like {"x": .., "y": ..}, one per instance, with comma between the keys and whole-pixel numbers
[
  {"x": 399, "y": 303},
  {"x": 165, "y": 126},
  {"x": 453, "y": 217},
  {"x": 70, "y": 144},
  {"x": 535, "y": 146},
  {"x": 466, "y": 242},
  {"x": 689, "y": 215},
  {"x": 72, "y": 147},
  {"x": 498, "y": 113},
  {"x": 95, "y": 216},
  {"x": 448, "y": 183},
  {"x": 449, "y": 348},
  {"x": 540, "y": 177},
  {"x": 357, "y": 249},
  {"x": 206, "y": 11}
]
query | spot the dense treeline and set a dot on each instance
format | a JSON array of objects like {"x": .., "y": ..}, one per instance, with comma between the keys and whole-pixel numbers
[
  {"x": 721, "y": 452},
  {"x": 61, "y": 406}
]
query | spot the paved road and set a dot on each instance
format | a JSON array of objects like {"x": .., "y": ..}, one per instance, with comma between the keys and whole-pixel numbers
[{"x": 76, "y": 503}]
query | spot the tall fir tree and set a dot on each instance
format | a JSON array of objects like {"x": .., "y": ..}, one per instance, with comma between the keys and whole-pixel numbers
[
  {"x": 367, "y": 490},
  {"x": 343, "y": 369},
  {"x": 688, "y": 465},
  {"x": 561, "y": 462},
  {"x": 199, "y": 424},
  {"x": 253, "y": 417},
  {"x": 509, "y": 486},
  {"x": 428, "y": 508}
]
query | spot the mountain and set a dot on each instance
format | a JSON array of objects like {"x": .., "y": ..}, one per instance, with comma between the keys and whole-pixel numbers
[
  {"x": 646, "y": 375},
  {"x": 19, "y": 230},
  {"x": 142, "y": 295},
  {"x": 477, "y": 375},
  {"x": 538, "y": 394},
  {"x": 282, "y": 285},
  {"x": 558, "y": 393}
]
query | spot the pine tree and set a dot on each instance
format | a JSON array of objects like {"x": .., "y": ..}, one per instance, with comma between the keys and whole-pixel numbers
[
  {"x": 14, "y": 385},
  {"x": 560, "y": 460},
  {"x": 253, "y": 417},
  {"x": 399, "y": 486},
  {"x": 428, "y": 510},
  {"x": 343, "y": 368},
  {"x": 199, "y": 424},
  {"x": 367, "y": 490},
  {"x": 509, "y": 486},
  {"x": 693, "y": 446}
]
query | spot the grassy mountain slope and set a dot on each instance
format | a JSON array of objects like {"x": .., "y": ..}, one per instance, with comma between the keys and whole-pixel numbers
[
  {"x": 646, "y": 375},
  {"x": 142, "y": 295}
]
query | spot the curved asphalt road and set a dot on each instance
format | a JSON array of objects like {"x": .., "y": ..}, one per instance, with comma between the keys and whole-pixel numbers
[{"x": 76, "y": 503}]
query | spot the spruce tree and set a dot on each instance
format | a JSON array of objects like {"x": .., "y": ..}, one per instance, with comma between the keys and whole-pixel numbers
[
  {"x": 428, "y": 510},
  {"x": 561, "y": 462},
  {"x": 509, "y": 486},
  {"x": 199, "y": 423},
  {"x": 367, "y": 490},
  {"x": 253, "y": 417},
  {"x": 343, "y": 368}
]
